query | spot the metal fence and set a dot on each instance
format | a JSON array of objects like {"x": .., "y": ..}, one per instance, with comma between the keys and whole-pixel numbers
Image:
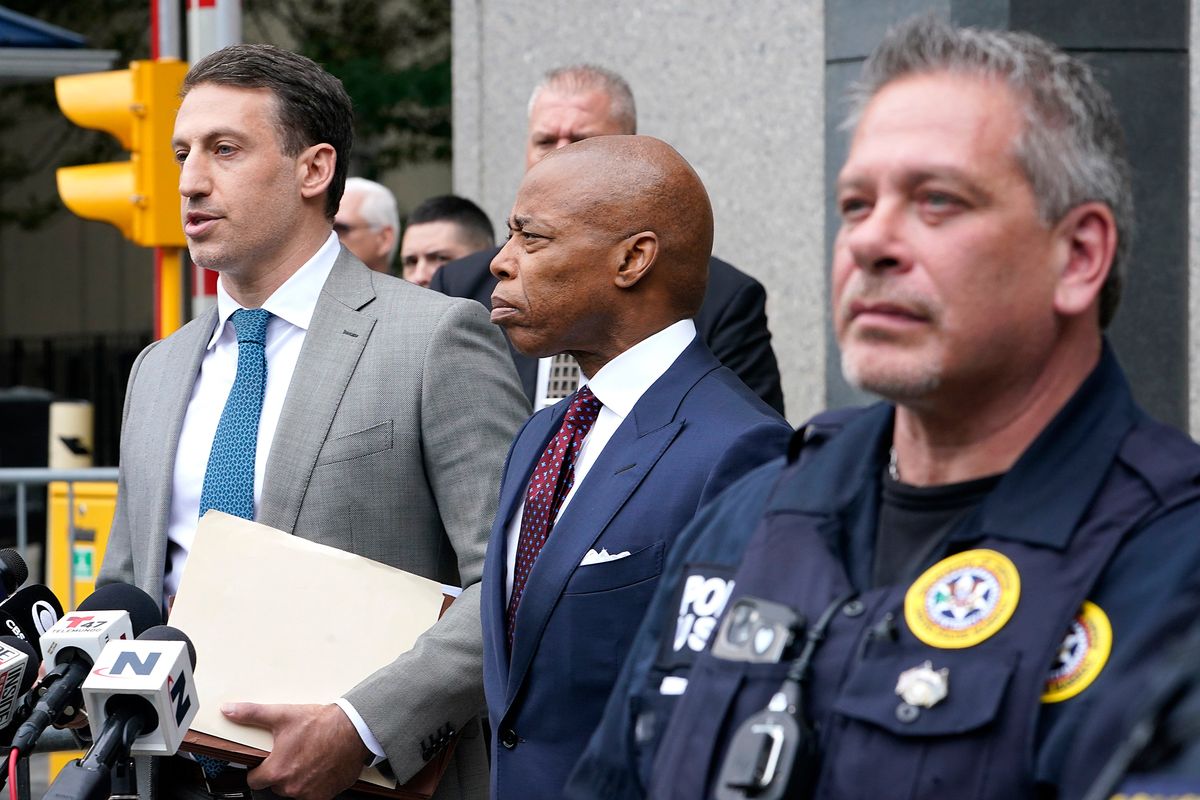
[{"x": 24, "y": 477}]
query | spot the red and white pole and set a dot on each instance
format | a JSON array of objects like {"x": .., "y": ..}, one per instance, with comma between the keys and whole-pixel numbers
[
  {"x": 212, "y": 24},
  {"x": 165, "y": 43}
]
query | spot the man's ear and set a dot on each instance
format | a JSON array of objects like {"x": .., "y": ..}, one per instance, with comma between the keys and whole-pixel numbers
[
  {"x": 640, "y": 252},
  {"x": 315, "y": 166},
  {"x": 387, "y": 235},
  {"x": 1089, "y": 235}
]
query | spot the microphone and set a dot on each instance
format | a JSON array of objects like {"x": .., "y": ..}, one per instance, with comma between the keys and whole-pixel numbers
[
  {"x": 141, "y": 699},
  {"x": 10, "y": 627},
  {"x": 13, "y": 571},
  {"x": 149, "y": 682},
  {"x": 144, "y": 611},
  {"x": 30, "y": 612},
  {"x": 71, "y": 646},
  {"x": 18, "y": 670}
]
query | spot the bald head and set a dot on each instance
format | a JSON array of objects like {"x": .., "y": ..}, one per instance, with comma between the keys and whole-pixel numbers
[
  {"x": 615, "y": 232},
  {"x": 629, "y": 184}
]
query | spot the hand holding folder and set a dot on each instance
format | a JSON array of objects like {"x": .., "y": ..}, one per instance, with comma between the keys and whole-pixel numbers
[{"x": 279, "y": 619}]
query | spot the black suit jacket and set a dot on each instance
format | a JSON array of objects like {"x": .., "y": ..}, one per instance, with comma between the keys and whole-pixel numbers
[{"x": 732, "y": 321}]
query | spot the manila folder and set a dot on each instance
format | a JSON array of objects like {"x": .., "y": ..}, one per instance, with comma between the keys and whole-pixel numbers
[{"x": 279, "y": 619}]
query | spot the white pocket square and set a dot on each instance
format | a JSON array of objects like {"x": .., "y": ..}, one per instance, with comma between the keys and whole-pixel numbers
[{"x": 593, "y": 557}]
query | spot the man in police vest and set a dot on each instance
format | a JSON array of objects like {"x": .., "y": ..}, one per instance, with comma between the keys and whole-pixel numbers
[{"x": 931, "y": 593}]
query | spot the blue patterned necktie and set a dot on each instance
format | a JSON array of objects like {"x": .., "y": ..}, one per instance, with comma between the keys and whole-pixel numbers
[{"x": 229, "y": 478}]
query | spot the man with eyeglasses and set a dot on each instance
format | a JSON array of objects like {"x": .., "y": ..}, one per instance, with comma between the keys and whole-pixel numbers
[{"x": 368, "y": 224}]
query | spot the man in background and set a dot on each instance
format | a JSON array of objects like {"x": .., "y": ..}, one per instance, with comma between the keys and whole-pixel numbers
[
  {"x": 368, "y": 224},
  {"x": 577, "y": 102},
  {"x": 439, "y": 230}
]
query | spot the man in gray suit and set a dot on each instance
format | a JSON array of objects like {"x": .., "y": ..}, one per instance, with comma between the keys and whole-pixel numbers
[{"x": 380, "y": 417}]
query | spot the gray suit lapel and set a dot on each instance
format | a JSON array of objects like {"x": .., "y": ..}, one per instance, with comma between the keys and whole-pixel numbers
[
  {"x": 332, "y": 347},
  {"x": 166, "y": 415}
]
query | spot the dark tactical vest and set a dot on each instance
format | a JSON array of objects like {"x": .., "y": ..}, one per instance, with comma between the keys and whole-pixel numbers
[{"x": 980, "y": 740}]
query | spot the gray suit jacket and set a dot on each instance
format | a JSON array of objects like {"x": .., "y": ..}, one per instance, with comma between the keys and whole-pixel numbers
[{"x": 390, "y": 445}]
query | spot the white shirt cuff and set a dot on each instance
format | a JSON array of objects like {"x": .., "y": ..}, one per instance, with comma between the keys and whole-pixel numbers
[{"x": 364, "y": 732}]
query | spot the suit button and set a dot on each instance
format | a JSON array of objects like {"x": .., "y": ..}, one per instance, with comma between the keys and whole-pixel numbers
[{"x": 508, "y": 738}]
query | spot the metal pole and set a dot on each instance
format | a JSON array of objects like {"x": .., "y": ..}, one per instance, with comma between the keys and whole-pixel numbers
[
  {"x": 212, "y": 24},
  {"x": 71, "y": 545},
  {"x": 43, "y": 475},
  {"x": 22, "y": 523},
  {"x": 229, "y": 22},
  {"x": 168, "y": 287},
  {"x": 168, "y": 42}
]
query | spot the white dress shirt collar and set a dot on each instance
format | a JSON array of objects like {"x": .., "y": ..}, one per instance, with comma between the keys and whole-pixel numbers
[
  {"x": 621, "y": 382},
  {"x": 296, "y": 299}
]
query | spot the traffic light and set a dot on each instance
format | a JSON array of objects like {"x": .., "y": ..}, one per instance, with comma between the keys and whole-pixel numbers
[{"x": 137, "y": 106}]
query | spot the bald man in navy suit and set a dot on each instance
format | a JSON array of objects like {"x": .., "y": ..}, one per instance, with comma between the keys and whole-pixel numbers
[{"x": 601, "y": 265}]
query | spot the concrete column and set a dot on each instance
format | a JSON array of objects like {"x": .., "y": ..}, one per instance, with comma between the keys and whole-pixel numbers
[
  {"x": 737, "y": 88},
  {"x": 751, "y": 95},
  {"x": 1140, "y": 53}
]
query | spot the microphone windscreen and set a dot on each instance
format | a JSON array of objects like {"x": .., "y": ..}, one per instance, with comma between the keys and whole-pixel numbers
[
  {"x": 35, "y": 609},
  {"x": 15, "y": 571},
  {"x": 165, "y": 633},
  {"x": 143, "y": 611},
  {"x": 9, "y": 627},
  {"x": 35, "y": 658}
]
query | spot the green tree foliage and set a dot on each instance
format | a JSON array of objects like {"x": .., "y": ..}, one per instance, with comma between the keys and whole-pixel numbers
[
  {"x": 34, "y": 135},
  {"x": 393, "y": 57}
]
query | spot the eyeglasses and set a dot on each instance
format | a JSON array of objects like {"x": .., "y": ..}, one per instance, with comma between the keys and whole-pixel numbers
[{"x": 341, "y": 228}]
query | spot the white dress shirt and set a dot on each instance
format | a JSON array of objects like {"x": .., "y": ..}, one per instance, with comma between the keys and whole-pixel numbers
[
  {"x": 618, "y": 386},
  {"x": 291, "y": 307}
]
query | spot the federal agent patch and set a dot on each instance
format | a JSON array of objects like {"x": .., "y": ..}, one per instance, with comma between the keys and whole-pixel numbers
[
  {"x": 699, "y": 601},
  {"x": 963, "y": 599},
  {"x": 1158, "y": 787},
  {"x": 1081, "y": 656}
]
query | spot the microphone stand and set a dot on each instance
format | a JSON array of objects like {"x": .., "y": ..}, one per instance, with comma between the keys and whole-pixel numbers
[
  {"x": 124, "y": 780},
  {"x": 24, "y": 792},
  {"x": 24, "y": 708},
  {"x": 90, "y": 778}
]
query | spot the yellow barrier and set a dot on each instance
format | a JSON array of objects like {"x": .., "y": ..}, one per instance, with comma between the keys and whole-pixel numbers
[{"x": 72, "y": 575}]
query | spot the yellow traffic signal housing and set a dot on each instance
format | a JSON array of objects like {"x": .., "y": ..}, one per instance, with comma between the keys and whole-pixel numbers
[{"x": 137, "y": 106}]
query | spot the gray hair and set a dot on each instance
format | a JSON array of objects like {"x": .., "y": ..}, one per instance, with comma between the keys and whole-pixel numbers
[
  {"x": 378, "y": 208},
  {"x": 580, "y": 78},
  {"x": 1072, "y": 148}
]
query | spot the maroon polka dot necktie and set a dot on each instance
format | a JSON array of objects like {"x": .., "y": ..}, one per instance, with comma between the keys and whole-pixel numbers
[{"x": 549, "y": 485}]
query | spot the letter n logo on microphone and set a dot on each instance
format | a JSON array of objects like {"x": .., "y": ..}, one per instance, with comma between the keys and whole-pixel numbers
[
  {"x": 131, "y": 661},
  {"x": 179, "y": 695}
]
